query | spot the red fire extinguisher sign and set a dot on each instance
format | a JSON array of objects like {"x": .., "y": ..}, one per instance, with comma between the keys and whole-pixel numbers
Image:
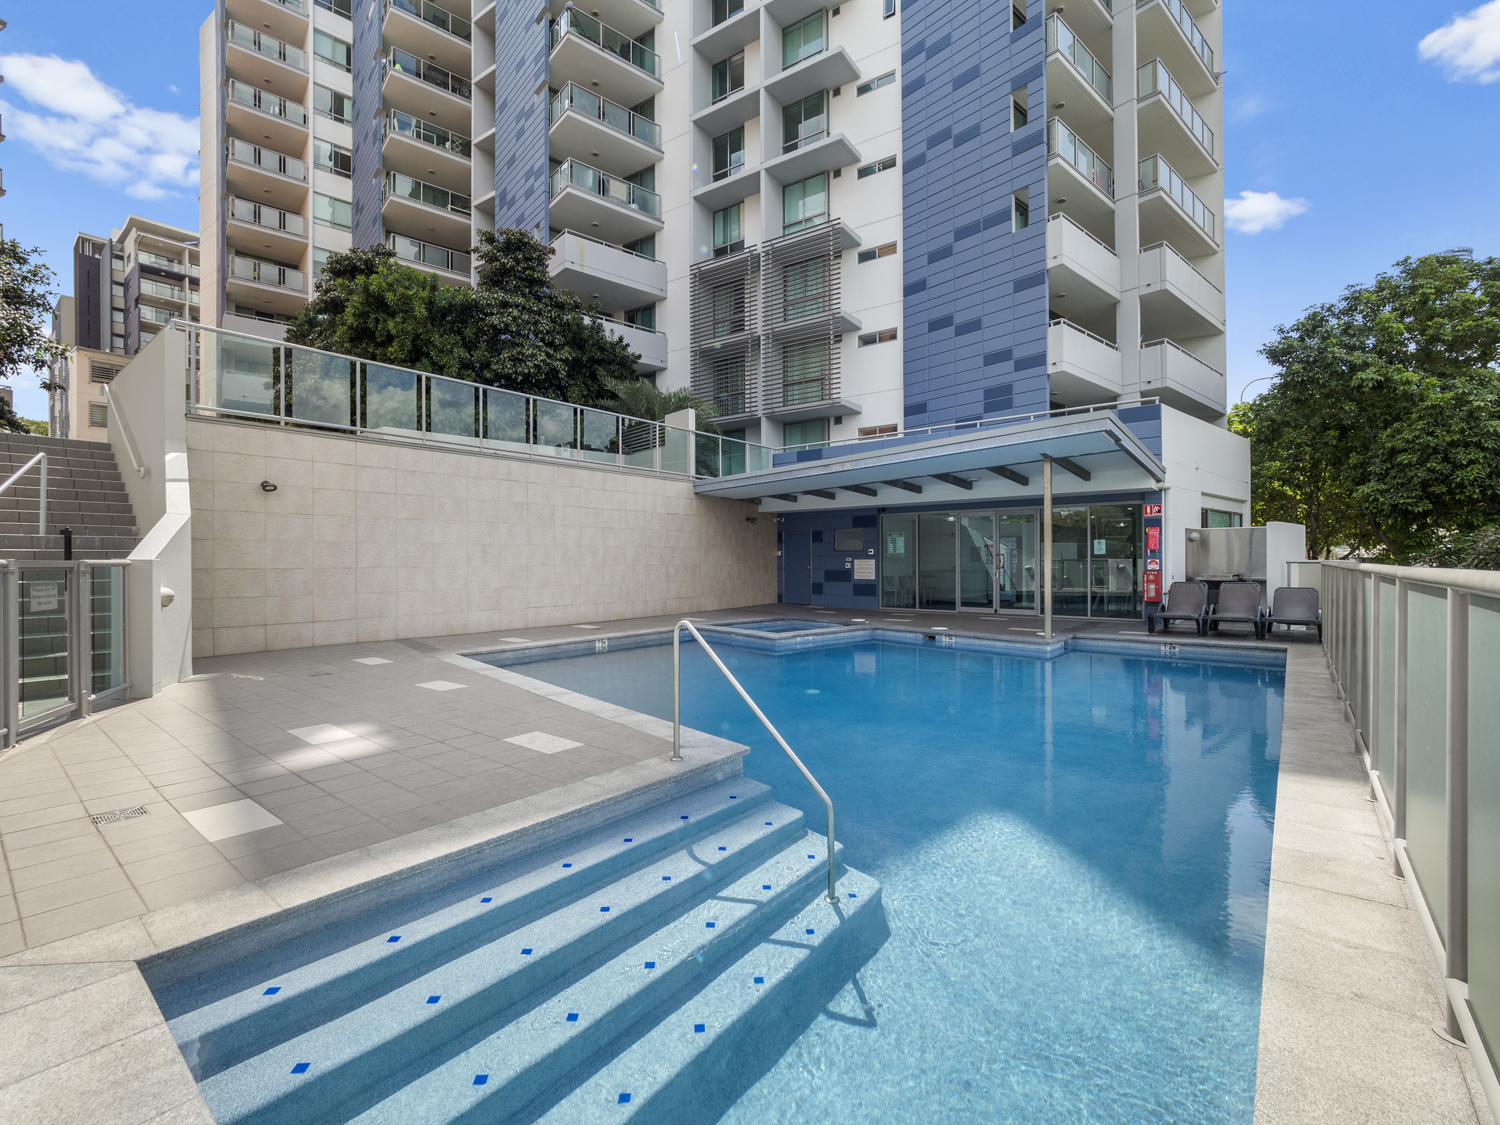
[
  {"x": 1151, "y": 581},
  {"x": 1153, "y": 539}
]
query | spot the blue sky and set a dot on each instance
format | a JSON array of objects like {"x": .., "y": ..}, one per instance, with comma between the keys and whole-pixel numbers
[{"x": 1390, "y": 153}]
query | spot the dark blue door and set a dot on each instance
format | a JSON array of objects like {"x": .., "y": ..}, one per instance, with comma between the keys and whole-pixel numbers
[{"x": 796, "y": 559}]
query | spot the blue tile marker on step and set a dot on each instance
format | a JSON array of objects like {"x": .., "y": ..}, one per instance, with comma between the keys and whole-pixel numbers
[
  {"x": 481, "y": 1079},
  {"x": 301, "y": 1068},
  {"x": 272, "y": 991}
]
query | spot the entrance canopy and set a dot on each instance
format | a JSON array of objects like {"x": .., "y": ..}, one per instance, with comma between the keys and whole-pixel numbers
[{"x": 1091, "y": 454}]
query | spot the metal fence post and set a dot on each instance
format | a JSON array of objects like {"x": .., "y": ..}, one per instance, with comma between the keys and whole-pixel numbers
[
  {"x": 1457, "y": 793},
  {"x": 80, "y": 648},
  {"x": 1372, "y": 691},
  {"x": 10, "y": 653},
  {"x": 1398, "y": 732}
]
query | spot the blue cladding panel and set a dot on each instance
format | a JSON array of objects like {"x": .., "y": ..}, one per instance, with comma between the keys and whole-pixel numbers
[
  {"x": 965, "y": 313},
  {"x": 367, "y": 229},
  {"x": 520, "y": 117},
  {"x": 836, "y": 586}
]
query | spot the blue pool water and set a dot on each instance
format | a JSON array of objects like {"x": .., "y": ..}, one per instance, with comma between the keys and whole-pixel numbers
[
  {"x": 1075, "y": 857},
  {"x": 785, "y": 626}
]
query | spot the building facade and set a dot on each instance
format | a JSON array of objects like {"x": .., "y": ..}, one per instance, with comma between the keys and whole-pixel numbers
[{"x": 126, "y": 288}]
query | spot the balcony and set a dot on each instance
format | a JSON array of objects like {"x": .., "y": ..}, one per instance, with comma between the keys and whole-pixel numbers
[
  {"x": 582, "y": 47},
  {"x": 161, "y": 290},
  {"x": 1165, "y": 30},
  {"x": 1170, "y": 125},
  {"x": 1171, "y": 212},
  {"x": 429, "y": 31},
  {"x": 283, "y": 123},
  {"x": 647, "y": 343},
  {"x": 267, "y": 286},
  {"x": 826, "y": 71},
  {"x": 598, "y": 271},
  {"x": 455, "y": 264},
  {"x": 633, "y": 17},
  {"x": 1182, "y": 380},
  {"x": 612, "y": 208},
  {"x": 270, "y": 64},
  {"x": 411, "y": 204},
  {"x": 420, "y": 150},
  {"x": 1083, "y": 368},
  {"x": 584, "y": 124},
  {"x": 825, "y": 154},
  {"x": 733, "y": 33},
  {"x": 426, "y": 90},
  {"x": 1177, "y": 300},
  {"x": 282, "y": 234},
  {"x": 266, "y": 174},
  {"x": 285, "y": 19},
  {"x": 1083, "y": 275},
  {"x": 1079, "y": 183},
  {"x": 734, "y": 109},
  {"x": 151, "y": 314},
  {"x": 1077, "y": 79}
]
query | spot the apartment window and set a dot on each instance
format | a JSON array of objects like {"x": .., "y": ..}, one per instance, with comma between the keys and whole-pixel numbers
[
  {"x": 802, "y": 40},
  {"x": 813, "y": 432},
  {"x": 877, "y": 252},
  {"x": 884, "y": 336},
  {"x": 330, "y": 212},
  {"x": 729, "y": 309},
  {"x": 643, "y": 317},
  {"x": 645, "y": 178},
  {"x": 332, "y": 104},
  {"x": 876, "y": 431},
  {"x": 333, "y": 51},
  {"x": 879, "y": 166},
  {"x": 805, "y": 288},
  {"x": 338, "y": 7},
  {"x": 116, "y": 289},
  {"x": 723, "y": 9},
  {"x": 804, "y": 372},
  {"x": 1020, "y": 213},
  {"x": 645, "y": 247},
  {"x": 1211, "y": 517},
  {"x": 728, "y": 385},
  {"x": 117, "y": 315},
  {"x": 252, "y": 313},
  {"x": 646, "y": 109},
  {"x": 890, "y": 9},
  {"x": 329, "y": 157},
  {"x": 1018, "y": 114},
  {"x": 804, "y": 122},
  {"x": 1017, "y": 16},
  {"x": 728, "y": 76},
  {"x": 729, "y": 153},
  {"x": 804, "y": 205},
  {"x": 116, "y": 261},
  {"x": 727, "y": 236},
  {"x": 98, "y": 414},
  {"x": 319, "y": 261},
  {"x": 874, "y": 84}
]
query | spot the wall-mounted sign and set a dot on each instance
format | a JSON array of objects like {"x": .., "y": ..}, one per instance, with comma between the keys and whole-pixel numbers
[
  {"x": 43, "y": 597},
  {"x": 864, "y": 570},
  {"x": 1100, "y": 546},
  {"x": 1153, "y": 539},
  {"x": 1153, "y": 509},
  {"x": 895, "y": 544},
  {"x": 1153, "y": 564}
]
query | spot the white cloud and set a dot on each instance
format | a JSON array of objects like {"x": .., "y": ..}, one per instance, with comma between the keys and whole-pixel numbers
[
  {"x": 81, "y": 125},
  {"x": 1255, "y": 211},
  {"x": 1468, "y": 46}
]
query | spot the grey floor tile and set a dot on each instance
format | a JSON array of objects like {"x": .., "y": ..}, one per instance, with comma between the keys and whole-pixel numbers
[
  {"x": 184, "y": 886},
  {"x": 80, "y": 917},
  {"x": 264, "y": 839},
  {"x": 277, "y": 860},
  {"x": 177, "y": 862},
  {"x": 75, "y": 844},
  {"x": 94, "y": 861}
]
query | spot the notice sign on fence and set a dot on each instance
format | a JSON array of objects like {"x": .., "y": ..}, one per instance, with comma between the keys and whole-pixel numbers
[{"x": 44, "y": 597}]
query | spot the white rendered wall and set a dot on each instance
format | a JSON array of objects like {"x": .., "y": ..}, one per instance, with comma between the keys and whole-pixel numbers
[{"x": 1207, "y": 467}]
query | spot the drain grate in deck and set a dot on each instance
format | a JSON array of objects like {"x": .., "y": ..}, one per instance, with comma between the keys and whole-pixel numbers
[{"x": 118, "y": 814}]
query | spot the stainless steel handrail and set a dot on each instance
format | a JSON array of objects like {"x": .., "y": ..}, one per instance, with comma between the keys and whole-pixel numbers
[
  {"x": 135, "y": 462},
  {"x": 759, "y": 714},
  {"x": 41, "y": 518}
]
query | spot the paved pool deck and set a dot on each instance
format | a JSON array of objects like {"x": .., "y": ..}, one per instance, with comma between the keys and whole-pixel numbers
[{"x": 371, "y": 758}]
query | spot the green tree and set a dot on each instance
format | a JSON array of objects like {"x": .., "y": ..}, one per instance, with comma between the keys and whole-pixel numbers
[
  {"x": 25, "y": 318},
  {"x": 1382, "y": 433},
  {"x": 641, "y": 398},
  {"x": 512, "y": 329}
]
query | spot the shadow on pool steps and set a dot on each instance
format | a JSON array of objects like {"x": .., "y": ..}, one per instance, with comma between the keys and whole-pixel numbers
[{"x": 539, "y": 994}]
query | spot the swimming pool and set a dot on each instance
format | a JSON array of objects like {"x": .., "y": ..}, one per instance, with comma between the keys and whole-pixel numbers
[
  {"x": 781, "y": 626},
  {"x": 1075, "y": 858}
]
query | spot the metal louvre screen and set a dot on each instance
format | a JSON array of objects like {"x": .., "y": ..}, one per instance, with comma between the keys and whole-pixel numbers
[
  {"x": 800, "y": 341},
  {"x": 726, "y": 301}
]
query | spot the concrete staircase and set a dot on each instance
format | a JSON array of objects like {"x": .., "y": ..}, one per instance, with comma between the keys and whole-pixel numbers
[
  {"x": 84, "y": 492},
  {"x": 649, "y": 970}
]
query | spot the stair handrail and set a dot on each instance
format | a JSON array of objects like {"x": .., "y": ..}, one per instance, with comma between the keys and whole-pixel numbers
[
  {"x": 759, "y": 714},
  {"x": 135, "y": 462},
  {"x": 41, "y": 518}
]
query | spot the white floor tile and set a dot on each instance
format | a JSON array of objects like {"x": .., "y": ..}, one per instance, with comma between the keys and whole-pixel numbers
[
  {"x": 373, "y": 660},
  {"x": 440, "y": 685},
  {"x": 323, "y": 732},
  {"x": 543, "y": 743},
  {"x": 219, "y": 822}
]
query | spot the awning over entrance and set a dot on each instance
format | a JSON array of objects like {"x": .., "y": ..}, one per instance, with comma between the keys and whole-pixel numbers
[{"x": 1093, "y": 454}]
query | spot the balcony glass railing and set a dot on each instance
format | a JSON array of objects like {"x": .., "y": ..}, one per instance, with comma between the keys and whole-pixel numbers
[
  {"x": 147, "y": 258},
  {"x": 267, "y": 273},
  {"x": 590, "y": 104},
  {"x": 156, "y": 315},
  {"x": 263, "y": 44},
  {"x": 446, "y": 80},
  {"x": 243, "y": 152},
  {"x": 409, "y": 126},
  {"x": 1060, "y": 37},
  {"x": 273, "y": 218},
  {"x": 404, "y": 187},
  {"x": 255, "y": 98},
  {"x": 1153, "y": 78},
  {"x": 161, "y": 289},
  {"x": 1157, "y": 173},
  {"x": 1063, "y": 142},
  {"x": 574, "y": 22},
  {"x": 440, "y": 18},
  {"x": 571, "y": 172},
  {"x": 427, "y": 254},
  {"x": 634, "y": 249},
  {"x": 1180, "y": 15}
]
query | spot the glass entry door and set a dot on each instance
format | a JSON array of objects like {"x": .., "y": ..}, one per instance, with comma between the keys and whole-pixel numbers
[
  {"x": 976, "y": 562},
  {"x": 1015, "y": 561},
  {"x": 936, "y": 560}
]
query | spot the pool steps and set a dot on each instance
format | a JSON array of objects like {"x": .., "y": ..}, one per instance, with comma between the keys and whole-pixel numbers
[{"x": 358, "y": 1012}]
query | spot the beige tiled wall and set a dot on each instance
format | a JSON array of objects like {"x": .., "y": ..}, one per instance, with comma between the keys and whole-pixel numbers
[{"x": 364, "y": 540}]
